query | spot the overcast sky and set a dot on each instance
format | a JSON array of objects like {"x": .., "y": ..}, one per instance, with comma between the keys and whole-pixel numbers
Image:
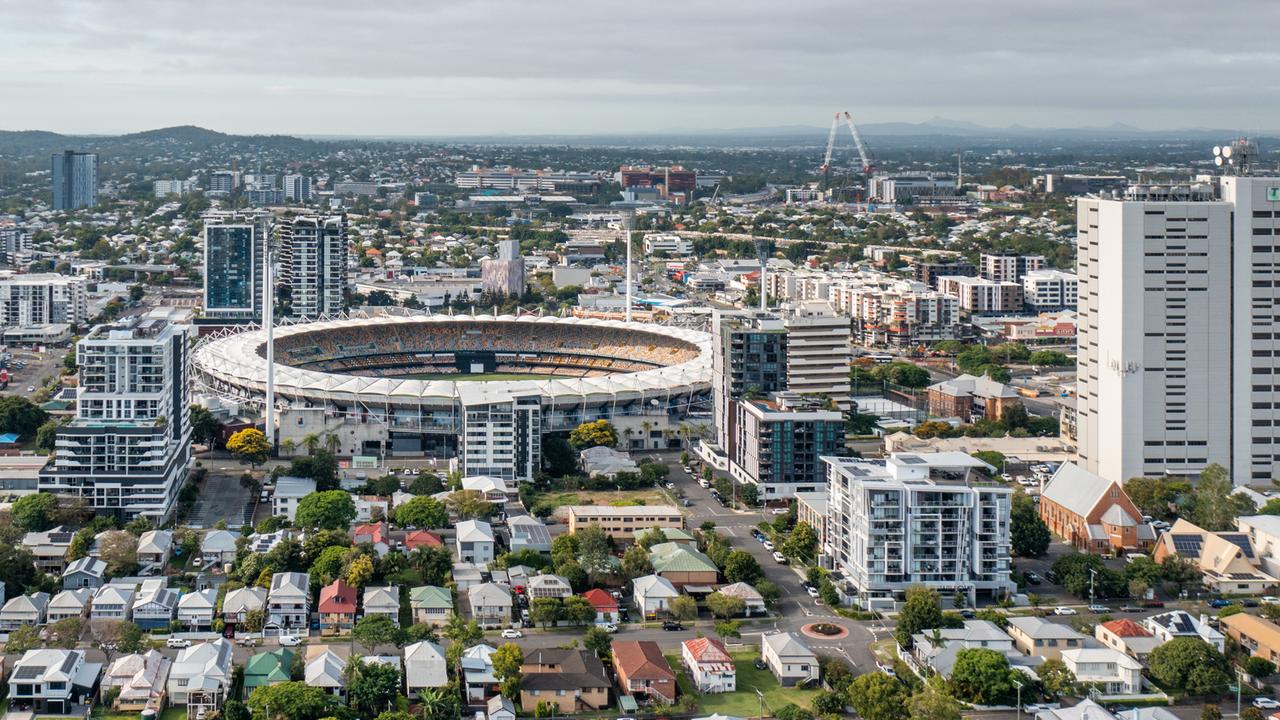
[{"x": 432, "y": 67}]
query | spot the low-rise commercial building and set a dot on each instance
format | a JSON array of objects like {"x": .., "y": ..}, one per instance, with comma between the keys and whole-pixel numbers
[{"x": 625, "y": 522}]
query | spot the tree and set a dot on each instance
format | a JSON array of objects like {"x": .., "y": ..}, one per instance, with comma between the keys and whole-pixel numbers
[
  {"x": 426, "y": 484},
  {"x": 578, "y": 610},
  {"x": 506, "y": 668},
  {"x": 1075, "y": 570},
  {"x": 47, "y": 435},
  {"x": 725, "y": 606},
  {"x": 31, "y": 512},
  {"x": 17, "y": 566},
  {"x": 1154, "y": 496},
  {"x": 204, "y": 426},
  {"x": 250, "y": 445},
  {"x": 801, "y": 543},
  {"x": 22, "y": 639},
  {"x": 599, "y": 641},
  {"x": 468, "y": 504},
  {"x": 652, "y": 536},
  {"x": 374, "y": 631},
  {"x": 20, "y": 415},
  {"x": 922, "y": 610},
  {"x": 320, "y": 465},
  {"x": 65, "y": 633},
  {"x": 791, "y": 711},
  {"x": 119, "y": 550},
  {"x": 1187, "y": 664},
  {"x": 372, "y": 686},
  {"x": 1252, "y": 713},
  {"x": 292, "y": 701},
  {"x": 741, "y": 566},
  {"x": 433, "y": 563},
  {"x": 131, "y": 638},
  {"x": 1028, "y": 534},
  {"x": 635, "y": 562},
  {"x": 595, "y": 433},
  {"x": 749, "y": 495},
  {"x": 982, "y": 676},
  {"x": 827, "y": 702},
  {"x": 422, "y": 512},
  {"x": 683, "y": 608},
  {"x": 1258, "y": 667},
  {"x": 235, "y": 710},
  {"x": 545, "y": 611},
  {"x": 328, "y": 566},
  {"x": 993, "y": 458},
  {"x": 934, "y": 702},
  {"x": 360, "y": 571},
  {"x": 1056, "y": 678},
  {"x": 1213, "y": 505},
  {"x": 876, "y": 696},
  {"x": 327, "y": 510},
  {"x": 593, "y": 552}
]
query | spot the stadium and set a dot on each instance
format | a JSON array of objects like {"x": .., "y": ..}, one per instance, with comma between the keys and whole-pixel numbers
[{"x": 465, "y": 386}]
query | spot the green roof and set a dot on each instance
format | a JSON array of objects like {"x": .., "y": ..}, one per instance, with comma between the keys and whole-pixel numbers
[
  {"x": 677, "y": 534},
  {"x": 268, "y": 668},
  {"x": 430, "y": 596},
  {"x": 670, "y": 557}
]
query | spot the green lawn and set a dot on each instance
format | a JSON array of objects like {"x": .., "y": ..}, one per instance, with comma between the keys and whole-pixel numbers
[{"x": 744, "y": 702}]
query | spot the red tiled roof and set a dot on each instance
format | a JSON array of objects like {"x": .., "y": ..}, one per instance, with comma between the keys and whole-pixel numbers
[
  {"x": 337, "y": 597},
  {"x": 641, "y": 660},
  {"x": 600, "y": 600},
  {"x": 420, "y": 538},
  {"x": 1126, "y": 628},
  {"x": 376, "y": 532},
  {"x": 708, "y": 650}
]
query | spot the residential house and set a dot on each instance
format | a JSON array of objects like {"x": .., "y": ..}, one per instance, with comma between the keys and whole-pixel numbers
[
  {"x": 69, "y": 604},
  {"x": 606, "y": 605},
  {"x": 22, "y": 610},
  {"x": 1128, "y": 637},
  {"x": 789, "y": 658},
  {"x": 1179, "y": 623},
  {"x": 709, "y": 665},
  {"x": 1227, "y": 561},
  {"x": 494, "y": 489},
  {"x": 753, "y": 601},
  {"x": 937, "y": 649},
  {"x": 1111, "y": 671},
  {"x": 288, "y": 602},
  {"x": 52, "y": 681},
  {"x": 201, "y": 676},
  {"x": 267, "y": 668},
  {"x": 113, "y": 601},
  {"x": 337, "y": 608},
  {"x": 500, "y": 708},
  {"x": 466, "y": 575},
  {"x": 155, "y": 605},
  {"x": 49, "y": 548},
  {"x": 548, "y": 586},
  {"x": 431, "y": 605},
  {"x": 1090, "y": 710},
  {"x": 154, "y": 547},
  {"x": 682, "y": 565},
  {"x": 1259, "y": 636},
  {"x": 1037, "y": 636},
  {"x": 383, "y": 601},
  {"x": 140, "y": 678},
  {"x": 196, "y": 610},
  {"x": 288, "y": 493},
  {"x": 424, "y": 668},
  {"x": 1093, "y": 514},
  {"x": 653, "y": 595},
  {"x": 971, "y": 398},
  {"x": 86, "y": 572},
  {"x": 477, "y": 673},
  {"x": 490, "y": 604},
  {"x": 263, "y": 543},
  {"x": 415, "y": 539},
  {"x": 326, "y": 670},
  {"x": 529, "y": 533},
  {"x": 377, "y": 534},
  {"x": 573, "y": 680},
  {"x": 218, "y": 548},
  {"x": 475, "y": 542},
  {"x": 371, "y": 508},
  {"x": 643, "y": 672},
  {"x": 238, "y": 603}
]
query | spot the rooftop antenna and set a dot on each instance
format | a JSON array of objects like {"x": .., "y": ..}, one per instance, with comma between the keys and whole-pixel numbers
[{"x": 1237, "y": 157}]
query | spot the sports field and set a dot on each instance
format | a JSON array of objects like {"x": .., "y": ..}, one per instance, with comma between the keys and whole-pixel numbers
[{"x": 476, "y": 377}]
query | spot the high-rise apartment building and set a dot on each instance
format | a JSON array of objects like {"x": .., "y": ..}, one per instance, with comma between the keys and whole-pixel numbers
[
  {"x": 1177, "y": 351},
  {"x": 313, "y": 264},
  {"x": 928, "y": 271},
  {"x": 234, "y": 247},
  {"x": 779, "y": 443},
  {"x": 1009, "y": 267},
  {"x": 504, "y": 275},
  {"x": 1050, "y": 290},
  {"x": 15, "y": 247},
  {"x": 164, "y": 188},
  {"x": 501, "y": 434},
  {"x": 128, "y": 449},
  {"x": 75, "y": 180},
  {"x": 297, "y": 188},
  {"x": 223, "y": 182},
  {"x": 980, "y": 296},
  {"x": 818, "y": 351},
  {"x": 42, "y": 299},
  {"x": 750, "y": 356},
  {"x": 931, "y": 519}
]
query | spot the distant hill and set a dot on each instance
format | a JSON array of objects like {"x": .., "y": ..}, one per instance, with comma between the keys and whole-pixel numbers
[{"x": 179, "y": 133}]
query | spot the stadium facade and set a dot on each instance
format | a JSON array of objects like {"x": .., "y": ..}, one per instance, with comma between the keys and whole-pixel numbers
[{"x": 383, "y": 385}]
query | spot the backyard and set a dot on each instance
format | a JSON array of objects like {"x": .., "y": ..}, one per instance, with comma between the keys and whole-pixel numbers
[{"x": 744, "y": 702}]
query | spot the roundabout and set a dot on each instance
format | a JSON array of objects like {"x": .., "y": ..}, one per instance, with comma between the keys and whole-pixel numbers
[{"x": 825, "y": 631}]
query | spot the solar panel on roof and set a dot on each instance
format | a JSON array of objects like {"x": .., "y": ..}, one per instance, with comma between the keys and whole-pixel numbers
[
  {"x": 1242, "y": 576},
  {"x": 1240, "y": 540},
  {"x": 27, "y": 672},
  {"x": 68, "y": 662},
  {"x": 1188, "y": 545},
  {"x": 912, "y": 460}
]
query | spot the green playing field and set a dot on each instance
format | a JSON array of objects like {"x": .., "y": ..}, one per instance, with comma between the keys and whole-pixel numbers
[{"x": 477, "y": 377}]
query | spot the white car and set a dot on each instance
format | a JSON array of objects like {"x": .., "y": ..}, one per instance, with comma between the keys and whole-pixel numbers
[
  {"x": 512, "y": 633},
  {"x": 290, "y": 641},
  {"x": 1100, "y": 609},
  {"x": 1265, "y": 703},
  {"x": 768, "y": 545},
  {"x": 177, "y": 643},
  {"x": 197, "y": 561},
  {"x": 1271, "y": 600},
  {"x": 1064, "y": 611},
  {"x": 886, "y": 669},
  {"x": 813, "y": 591},
  {"x": 608, "y": 627},
  {"x": 779, "y": 557},
  {"x": 780, "y": 511},
  {"x": 31, "y": 388}
]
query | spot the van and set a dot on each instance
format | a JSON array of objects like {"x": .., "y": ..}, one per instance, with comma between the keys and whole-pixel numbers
[{"x": 1130, "y": 557}]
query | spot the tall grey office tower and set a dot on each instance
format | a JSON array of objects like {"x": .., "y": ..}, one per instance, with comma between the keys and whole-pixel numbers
[
  {"x": 234, "y": 244},
  {"x": 313, "y": 264},
  {"x": 75, "y": 180}
]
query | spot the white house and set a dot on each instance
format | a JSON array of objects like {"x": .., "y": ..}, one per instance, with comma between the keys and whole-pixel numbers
[
  {"x": 653, "y": 594},
  {"x": 490, "y": 604},
  {"x": 1180, "y": 623},
  {"x": 477, "y": 673},
  {"x": 155, "y": 605},
  {"x": 288, "y": 493},
  {"x": 238, "y": 603},
  {"x": 494, "y": 489},
  {"x": 154, "y": 547},
  {"x": 788, "y": 658},
  {"x": 201, "y": 675},
  {"x": 49, "y": 548},
  {"x": 288, "y": 602},
  {"x": 141, "y": 679},
  {"x": 424, "y": 667},
  {"x": 196, "y": 609},
  {"x": 475, "y": 542},
  {"x": 383, "y": 601},
  {"x": 218, "y": 548},
  {"x": 51, "y": 681},
  {"x": 548, "y": 586},
  {"x": 1111, "y": 670},
  {"x": 113, "y": 601},
  {"x": 326, "y": 670},
  {"x": 22, "y": 610},
  {"x": 753, "y": 601},
  {"x": 709, "y": 665},
  {"x": 69, "y": 604}
]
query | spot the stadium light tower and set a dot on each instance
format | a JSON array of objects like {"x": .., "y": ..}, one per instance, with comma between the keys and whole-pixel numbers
[
  {"x": 626, "y": 235},
  {"x": 268, "y": 321},
  {"x": 762, "y": 252}
]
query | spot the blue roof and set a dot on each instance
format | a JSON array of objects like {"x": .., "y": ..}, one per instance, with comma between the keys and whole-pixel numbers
[{"x": 9, "y": 438}]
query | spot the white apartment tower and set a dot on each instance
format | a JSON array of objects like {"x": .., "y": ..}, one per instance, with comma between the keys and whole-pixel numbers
[
  {"x": 1177, "y": 343},
  {"x": 818, "y": 352},
  {"x": 501, "y": 434},
  {"x": 127, "y": 451},
  {"x": 42, "y": 299},
  {"x": 313, "y": 263}
]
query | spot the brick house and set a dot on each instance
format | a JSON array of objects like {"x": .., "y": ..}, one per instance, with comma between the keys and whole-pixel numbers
[{"x": 1093, "y": 514}]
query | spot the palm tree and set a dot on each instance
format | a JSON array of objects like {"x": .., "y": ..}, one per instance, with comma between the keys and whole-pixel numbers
[
  {"x": 312, "y": 442},
  {"x": 287, "y": 446},
  {"x": 433, "y": 702},
  {"x": 331, "y": 442}
]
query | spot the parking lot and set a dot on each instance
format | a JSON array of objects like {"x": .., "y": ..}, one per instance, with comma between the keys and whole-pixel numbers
[{"x": 39, "y": 369}]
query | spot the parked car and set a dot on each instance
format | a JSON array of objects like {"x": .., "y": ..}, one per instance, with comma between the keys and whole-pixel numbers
[
  {"x": 608, "y": 627},
  {"x": 1051, "y": 576},
  {"x": 779, "y": 557},
  {"x": 1152, "y": 603},
  {"x": 760, "y": 664},
  {"x": 1064, "y": 611},
  {"x": 1031, "y": 578},
  {"x": 1130, "y": 609},
  {"x": 886, "y": 669},
  {"x": 1265, "y": 703},
  {"x": 1219, "y": 603},
  {"x": 1271, "y": 600},
  {"x": 768, "y": 545},
  {"x": 177, "y": 643},
  {"x": 813, "y": 591},
  {"x": 671, "y": 625},
  {"x": 1099, "y": 609},
  {"x": 512, "y": 633},
  {"x": 290, "y": 640},
  {"x": 780, "y": 511}
]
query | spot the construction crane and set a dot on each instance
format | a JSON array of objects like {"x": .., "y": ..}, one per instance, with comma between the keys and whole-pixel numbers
[{"x": 868, "y": 165}]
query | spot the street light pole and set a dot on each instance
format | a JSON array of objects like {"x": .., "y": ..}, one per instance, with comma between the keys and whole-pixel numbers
[
  {"x": 1018, "y": 685},
  {"x": 1092, "y": 574}
]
